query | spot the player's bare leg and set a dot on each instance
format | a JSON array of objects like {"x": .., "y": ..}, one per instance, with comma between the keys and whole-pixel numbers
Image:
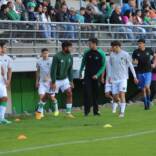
[
  {"x": 122, "y": 104},
  {"x": 55, "y": 103},
  {"x": 113, "y": 102},
  {"x": 3, "y": 105},
  {"x": 69, "y": 101},
  {"x": 148, "y": 95},
  {"x": 116, "y": 100},
  {"x": 40, "y": 110}
]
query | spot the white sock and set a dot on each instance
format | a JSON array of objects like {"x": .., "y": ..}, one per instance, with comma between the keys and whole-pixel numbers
[
  {"x": 123, "y": 107},
  {"x": 2, "y": 112},
  {"x": 114, "y": 106},
  {"x": 56, "y": 106},
  {"x": 68, "y": 108},
  {"x": 41, "y": 106}
]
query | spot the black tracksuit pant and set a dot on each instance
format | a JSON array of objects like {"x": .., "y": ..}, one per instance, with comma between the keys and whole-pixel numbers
[{"x": 90, "y": 95}]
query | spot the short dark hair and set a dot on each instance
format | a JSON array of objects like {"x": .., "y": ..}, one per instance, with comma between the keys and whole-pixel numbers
[
  {"x": 2, "y": 44},
  {"x": 63, "y": 4},
  {"x": 3, "y": 7},
  {"x": 138, "y": 10},
  {"x": 82, "y": 8},
  {"x": 115, "y": 43},
  {"x": 44, "y": 49},
  {"x": 112, "y": 3},
  {"x": 66, "y": 44},
  {"x": 141, "y": 40},
  {"x": 93, "y": 40},
  {"x": 9, "y": 3}
]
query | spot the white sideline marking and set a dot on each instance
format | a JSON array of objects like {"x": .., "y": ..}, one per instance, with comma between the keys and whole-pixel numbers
[{"x": 77, "y": 142}]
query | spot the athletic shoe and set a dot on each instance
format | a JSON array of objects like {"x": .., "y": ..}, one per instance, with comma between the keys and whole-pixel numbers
[
  {"x": 38, "y": 115},
  {"x": 56, "y": 113},
  {"x": 121, "y": 115},
  {"x": 114, "y": 111},
  {"x": 86, "y": 114},
  {"x": 97, "y": 114},
  {"x": 69, "y": 115},
  {"x": 5, "y": 121},
  {"x": 42, "y": 115}
]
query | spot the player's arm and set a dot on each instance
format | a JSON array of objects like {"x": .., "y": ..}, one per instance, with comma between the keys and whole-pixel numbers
[
  {"x": 37, "y": 76},
  {"x": 53, "y": 72},
  {"x": 109, "y": 70},
  {"x": 83, "y": 63},
  {"x": 134, "y": 58},
  {"x": 103, "y": 77},
  {"x": 2, "y": 74},
  {"x": 9, "y": 76},
  {"x": 154, "y": 62},
  {"x": 154, "y": 59},
  {"x": 2, "y": 71},
  {"x": 130, "y": 65},
  {"x": 103, "y": 66},
  {"x": 70, "y": 73},
  {"x": 9, "y": 73}
]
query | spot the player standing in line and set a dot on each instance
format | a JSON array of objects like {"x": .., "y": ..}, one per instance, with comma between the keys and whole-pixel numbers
[
  {"x": 43, "y": 83},
  {"x": 108, "y": 85},
  {"x": 4, "y": 81},
  {"x": 62, "y": 74},
  {"x": 94, "y": 63},
  {"x": 142, "y": 57},
  {"x": 120, "y": 62}
]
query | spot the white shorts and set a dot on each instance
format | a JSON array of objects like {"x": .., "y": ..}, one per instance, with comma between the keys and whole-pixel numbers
[
  {"x": 62, "y": 85},
  {"x": 108, "y": 88},
  {"x": 44, "y": 87},
  {"x": 3, "y": 90},
  {"x": 120, "y": 86}
]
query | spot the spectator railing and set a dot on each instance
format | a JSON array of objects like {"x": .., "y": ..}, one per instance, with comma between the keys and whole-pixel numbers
[{"x": 28, "y": 38}]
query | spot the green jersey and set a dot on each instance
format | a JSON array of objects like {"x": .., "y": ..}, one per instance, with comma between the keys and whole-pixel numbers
[
  {"x": 62, "y": 67},
  {"x": 93, "y": 62}
]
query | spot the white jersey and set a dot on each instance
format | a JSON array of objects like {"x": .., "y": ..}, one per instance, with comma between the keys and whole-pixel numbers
[
  {"x": 6, "y": 63},
  {"x": 119, "y": 64},
  {"x": 107, "y": 70},
  {"x": 44, "y": 67},
  {"x": 1, "y": 77}
]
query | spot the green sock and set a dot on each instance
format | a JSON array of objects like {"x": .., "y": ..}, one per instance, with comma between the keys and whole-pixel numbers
[
  {"x": 68, "y": 108},
  {"x": 4, "y": 103}
]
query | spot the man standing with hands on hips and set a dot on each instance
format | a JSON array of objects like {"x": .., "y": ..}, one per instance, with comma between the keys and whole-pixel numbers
[
  {"x": 62, "y": 74},
  {"x": 93, "y": 61}
]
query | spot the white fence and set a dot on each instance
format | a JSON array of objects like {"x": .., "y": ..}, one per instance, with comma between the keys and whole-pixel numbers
[{"x": 28, "y": 38}]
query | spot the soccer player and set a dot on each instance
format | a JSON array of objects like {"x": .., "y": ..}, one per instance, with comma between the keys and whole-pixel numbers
[
  {"x": 142, "y": 58},
  {"x": 93, "y": 61},
  {"x": 5, "y": 80},
  {"x": 43, "y": 83},
  {"x": 120, "y": 62},
  {"x": 108, "y": 86},
  {"x": 62, "y": 74}
]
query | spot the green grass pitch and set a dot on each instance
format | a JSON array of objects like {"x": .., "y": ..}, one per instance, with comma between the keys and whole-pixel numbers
[{"x": 135, "y": 135}]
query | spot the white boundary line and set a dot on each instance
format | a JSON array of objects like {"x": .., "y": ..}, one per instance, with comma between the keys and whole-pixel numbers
[{"x": 77, "y": 142}]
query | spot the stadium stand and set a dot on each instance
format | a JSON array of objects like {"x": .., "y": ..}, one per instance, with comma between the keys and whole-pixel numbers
[{"x": 29, "y": 25}]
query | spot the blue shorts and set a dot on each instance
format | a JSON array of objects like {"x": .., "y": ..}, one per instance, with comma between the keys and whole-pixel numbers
[{"x": 144, "y": 79}]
